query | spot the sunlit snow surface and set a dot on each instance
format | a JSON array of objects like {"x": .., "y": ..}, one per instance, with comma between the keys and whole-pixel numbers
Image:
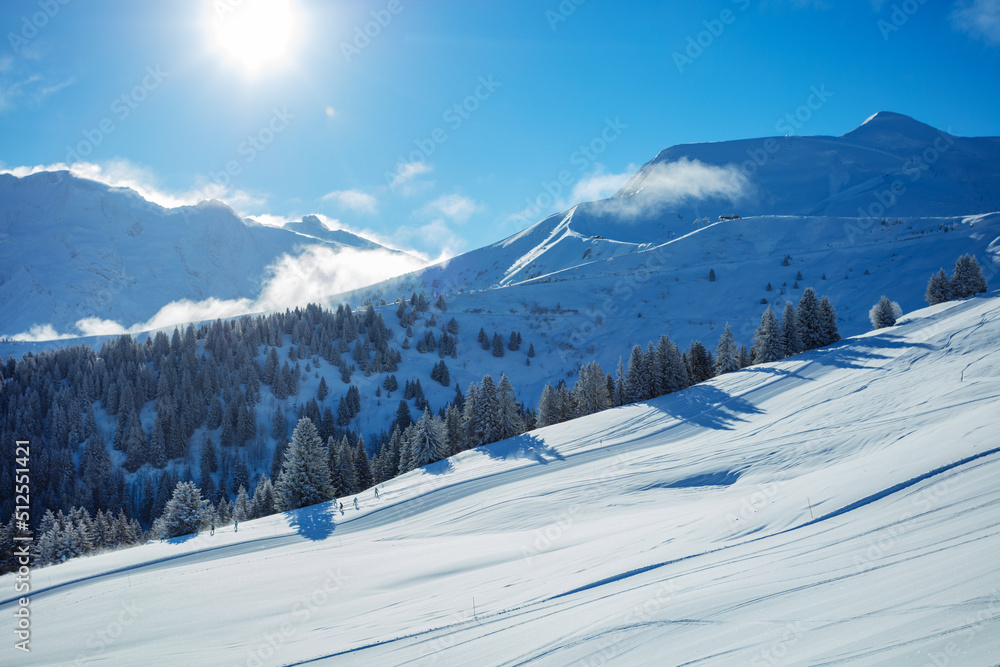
[{"x": 839, "y": 507}]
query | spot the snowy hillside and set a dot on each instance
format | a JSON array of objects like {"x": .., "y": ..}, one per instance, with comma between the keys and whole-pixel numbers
[
  {"x": 828, "y": 191},
  {"x": 839, "y": 507},
  {"x": 73, "y": 249},
  {"x": 588, "y": 285}
]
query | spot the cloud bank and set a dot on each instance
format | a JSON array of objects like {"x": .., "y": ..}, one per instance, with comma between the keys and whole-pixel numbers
[
  {"x": 312, "y": 276},
  {"x": 354, "y": 200},
  {"x": 676, "y": 183}
]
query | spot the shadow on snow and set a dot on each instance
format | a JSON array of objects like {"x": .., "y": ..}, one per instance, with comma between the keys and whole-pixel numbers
[
  {"x": 524, "y": 446},
  {"x": 315, "y": 522},
  {"x": 706, "y": 405}
]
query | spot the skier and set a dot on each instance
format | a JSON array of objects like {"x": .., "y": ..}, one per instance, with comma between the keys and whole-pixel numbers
[
  {"x": 376, "y": 493},
  {"x": 163, "y": 536},
  {"x": 341, "y": 508},
  {"x": 355, "y": 502},
  {"x": 236, "y": 526},
  {"x": 212, "y": 526}
]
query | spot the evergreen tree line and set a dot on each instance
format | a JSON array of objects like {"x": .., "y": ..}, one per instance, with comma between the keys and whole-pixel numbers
[
  {"x": 210, "y": 378},
  {"x": 108, "y": 426},
  {"x": 662, "y": 369},
  {"x": 966, "y": 280}
]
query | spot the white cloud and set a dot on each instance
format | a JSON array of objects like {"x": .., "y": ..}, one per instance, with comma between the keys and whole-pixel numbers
[
  {"x": 595, "y": 186},
  {"x": 405, "y": 181},
  {"x": 40, "y": 332},
  {"x": 439, "y": 214},
  {"x": 312, "y": 276},
  {"x": 455, "y": 207},
  {"x": 978, "y": 18},
  {"x": 600, "y": 185},
  {"x": 95, "y": 326},
  {"x": 678, "y": 182},
  {"x": 447, "y": 241},
  {"x": 355, "y": 200},
  {"x": 18, "y": 87}
]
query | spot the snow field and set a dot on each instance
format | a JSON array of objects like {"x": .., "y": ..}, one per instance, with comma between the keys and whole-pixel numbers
[{"x": 836, "y": 507}]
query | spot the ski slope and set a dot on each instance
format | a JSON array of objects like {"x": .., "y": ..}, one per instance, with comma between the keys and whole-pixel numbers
[{"x": 838, "y": 507}]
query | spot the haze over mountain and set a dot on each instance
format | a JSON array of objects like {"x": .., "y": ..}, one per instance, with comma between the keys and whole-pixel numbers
[{"x": 78, "y": 256}]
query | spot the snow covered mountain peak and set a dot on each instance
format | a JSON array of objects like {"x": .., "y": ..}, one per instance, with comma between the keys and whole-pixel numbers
[
  {"x": 896, "y": 133},
  {"x": 73, "y": 249}
]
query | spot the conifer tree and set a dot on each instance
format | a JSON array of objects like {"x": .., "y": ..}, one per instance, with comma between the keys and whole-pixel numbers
[
  {"x": 241, "y": 476},
  {"x": 884, "y": 313},
  {"x": 726, "y": 354},
  {"x": 637, "y": 379},
  {"x": 403, "y": 417},
  {"x": 745, "y": 359},
  {"x": 565, "y": 405},
  {"x": 498, "y": 349},
  {"x": 241, "y": 507},
  {"x": 829, "y": 331},
  {"x": 262, "y": 503},
  {"x": 767, "y": 343},
  {"x": 279, "y": 426},
  {"x": 671, "y": 371},
  {"x": 184, "y": 513},
  {"x": 967, "y": 279},
  {"x": 427, "y": 442},
  {"x": 590, "y": 393},
  {"x": 789, "y": 331},
  {"x": 305, "y": 475},
  {"x": 482, "y": 426},
  {"x": 547, "y": 407},
  {"x": 938, "y": 289},
  {"x": 136, "y": 448},
  {"x": 807, "y": 321},
  {"x": 509, "y": 422},
  {"x": 620, "y": 396},
  {"x": 700, "y": 366},
  {"x": 158, "y": 444}
]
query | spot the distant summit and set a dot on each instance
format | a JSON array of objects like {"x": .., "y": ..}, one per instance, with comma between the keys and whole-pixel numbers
[
  {"x": 896, "y": 133},
  {"x": 832, "y": 176},
  {"x": 75, "y": 249}
]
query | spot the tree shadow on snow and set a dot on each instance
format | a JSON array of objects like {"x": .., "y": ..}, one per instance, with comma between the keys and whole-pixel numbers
[
  {"x": 438, "y": 467},
  {"x": 861, "y": 352},
  {"x": 708, "y": 406},
  {"x": 525, "y": 446},
  {"x": 315, "y": 522}
]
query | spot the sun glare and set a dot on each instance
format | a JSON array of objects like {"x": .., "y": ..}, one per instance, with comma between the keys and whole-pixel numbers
[{"x": 256, "y": 34}]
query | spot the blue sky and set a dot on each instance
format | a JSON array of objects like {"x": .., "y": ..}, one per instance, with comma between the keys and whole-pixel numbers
[{"x": 448, "y": 125}]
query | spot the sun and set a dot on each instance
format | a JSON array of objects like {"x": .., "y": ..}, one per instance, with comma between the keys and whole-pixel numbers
[{"x": 255, "y": 34}]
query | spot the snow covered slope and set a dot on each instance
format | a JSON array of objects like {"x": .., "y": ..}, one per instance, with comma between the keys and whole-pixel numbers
[
  {"x": 73, "y": 249},
  {"x": 838, "y": 507}
]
